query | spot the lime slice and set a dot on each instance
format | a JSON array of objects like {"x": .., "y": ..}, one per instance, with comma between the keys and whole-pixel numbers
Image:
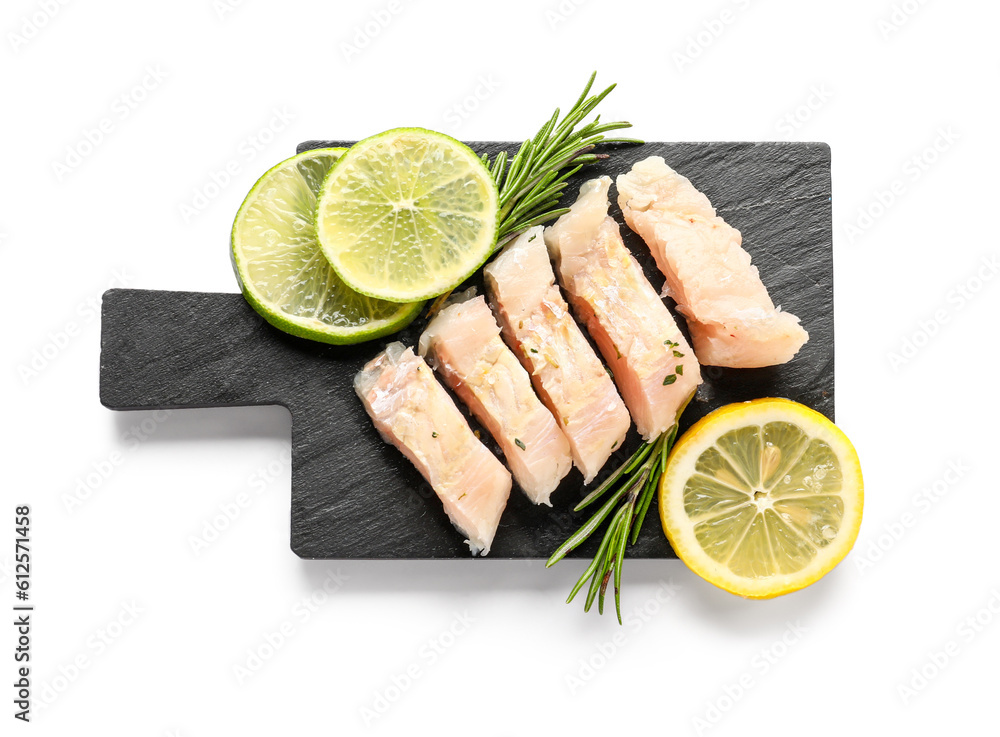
[
  {"x": 281, "y": 270},
  {"x": 762, "y": 498},
  {"x": 407, "y": 215}
]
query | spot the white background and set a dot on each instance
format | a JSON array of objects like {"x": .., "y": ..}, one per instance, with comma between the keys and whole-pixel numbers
[{"x": 916, "y": 367}]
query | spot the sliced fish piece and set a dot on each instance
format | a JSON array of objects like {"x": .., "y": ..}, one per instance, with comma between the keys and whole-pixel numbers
[
  {"x": 463, "y": 344},
  {"x": 567, "y": 374},
  {"x": 732, "y": 319},
  {"x": 413, "y": 412},
  {"x": 653, "y": 365}
]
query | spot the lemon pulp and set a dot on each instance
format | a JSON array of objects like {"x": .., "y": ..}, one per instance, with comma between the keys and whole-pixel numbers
[{"x": 762, "y": 498}]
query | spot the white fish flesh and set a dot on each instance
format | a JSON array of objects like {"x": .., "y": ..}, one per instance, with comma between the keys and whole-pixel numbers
[
  {"x": 567, "y": 374},
  {"x": 463, "y": 344},
  {"x": 653, "y": 365},
  {"x": 732, "y": 319},
  {"x": 413, "y": 412}
]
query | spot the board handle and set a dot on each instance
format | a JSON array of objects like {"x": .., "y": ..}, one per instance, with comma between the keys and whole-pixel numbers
[{"x": 172, "y": 350}]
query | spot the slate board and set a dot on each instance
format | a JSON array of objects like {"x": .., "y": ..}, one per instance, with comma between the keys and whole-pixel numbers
[{"x": 354, "y": 496}]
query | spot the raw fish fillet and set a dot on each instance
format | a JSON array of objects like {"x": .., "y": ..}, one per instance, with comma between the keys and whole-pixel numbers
[
  {"x": 412, "y": 411},
  {"x": 567, "y": 374},
  {"x": 732, "y": 319},
  {"x": 463, "y": 344},
  {"x": 654, "y": 367}
]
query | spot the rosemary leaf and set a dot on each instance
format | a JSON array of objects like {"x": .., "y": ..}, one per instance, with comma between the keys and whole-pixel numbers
[
  {"x": 584, "y": 532},
  {"x": 584, "y": 578},
  {"x": 535, "y": 177},
  {"x": 608, "y": 546},
  {"x": 620, "y": 559},
  {"x": 595, "y": 573},
  {"x": 605, "y": 485},
  {"x": 635, "y": 484},
  {"x": 643, "y": 452}
]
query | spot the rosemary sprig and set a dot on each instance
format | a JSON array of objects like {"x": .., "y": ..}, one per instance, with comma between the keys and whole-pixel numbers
[
  {"x": 532, "y": 182},
  {"x": 634, "y": 484}
]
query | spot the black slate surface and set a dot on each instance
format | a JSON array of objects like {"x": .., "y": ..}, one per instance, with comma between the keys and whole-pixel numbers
[{"x": 353, "y": 496}]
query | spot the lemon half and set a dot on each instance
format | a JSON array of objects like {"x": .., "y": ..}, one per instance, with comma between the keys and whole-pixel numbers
[{"x": 762, "y": 498}]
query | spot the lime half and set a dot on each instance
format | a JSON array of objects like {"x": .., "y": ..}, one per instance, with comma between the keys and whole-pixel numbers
[
  {"x": 407, "y": 215},
  {"x": 283, "y": 273}
]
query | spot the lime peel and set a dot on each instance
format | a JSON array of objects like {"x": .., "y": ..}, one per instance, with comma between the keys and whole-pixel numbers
[
  {"x": 407, "y": 214},
  {"x": 281, "y": 270}
]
